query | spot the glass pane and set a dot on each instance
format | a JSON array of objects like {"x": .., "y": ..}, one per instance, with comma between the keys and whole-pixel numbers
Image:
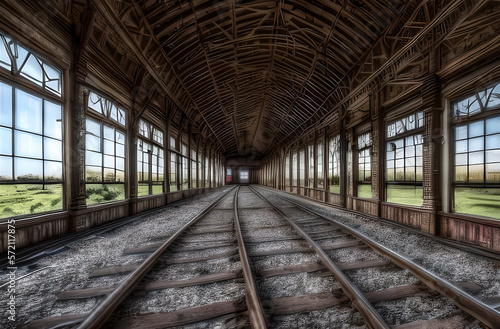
[
  {"x": 95, "y": 102},
  {"x": 476, "y": 144},
  {"x": 5, "y": 168},
  {"x": 109, "y": 161},
  {"x": 493, "y": 125},
  {"x": 28, "y": 169},
  {"x": 478, "y": 201},
  {"x": 28, "y": 112},
  {"x": 495, "y": 97},
  {"x": 404, "y": 194},
  {"x": 461, "y": 146},
  {"x": 476, "y": 158},
  {"x": 157, "y": 189},
  {"x": 52, "y": 149},
  {"x": 114, "y": 113},
  {"x": 476, "y": 173},
  {"x": 93, "y": 158},
  {"x": 31, "y": 198},
  {"x": 93, "y": 174},
  {"x": 5, "y": 105},
  {"x": 460, "y": 132},
  {"x": 109, "y": 175},
  {"x": 93, "y": 127},
  {"x": 53, "y": 171},
  {"x": 22, "y": 54},
  {"x": 33, "y": 70},
  {"x": 109, "y": 147},
  {"x": 476, "y": 129},
  {"x": 98, "y": 193},
  {"x": 120, "y": 137},
  {"x": 461, "y": 173},
  {"x": 5, "y": 141},
  {"x": 493, "y": 142},
  {"x": 121, "y": 117},
  {"x": 109, "y": 133},
  {"x": 52, "y": 74},
  {"x": 461, "y": 159},
  {"x": 27, "y": 145},
  {"x": 93, "y": 143},
  {"x": 120, "y": 163},
  {"x": 53, "y": 127},
  {"x": 120, "y": 150},
  {"x": 142, "y": 189},
  {"x": 4, "y": 57},
  {"x": 364, "y": 191},
  {"x": 493, "y": 173},
  {"x": 493, "y": 156},
  {"x": 120, "y": 176}
]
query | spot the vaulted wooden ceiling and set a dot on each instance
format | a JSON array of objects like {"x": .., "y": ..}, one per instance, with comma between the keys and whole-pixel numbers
[
  {"x": 251, "y": 75},
  {"x": 253, "y": 71}
]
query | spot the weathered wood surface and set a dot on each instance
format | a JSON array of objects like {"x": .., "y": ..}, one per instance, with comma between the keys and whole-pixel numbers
[
  {"x": 304, "y": 303},
  {"x": 184, "y": 316}
]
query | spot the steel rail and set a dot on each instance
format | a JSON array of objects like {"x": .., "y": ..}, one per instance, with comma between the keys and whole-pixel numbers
[
  {"x": 372, "y": 317},
  {"x": 255, "y": 310},
  {"x": 104, "y": 310},
  {"x": 476, "y": 308}
]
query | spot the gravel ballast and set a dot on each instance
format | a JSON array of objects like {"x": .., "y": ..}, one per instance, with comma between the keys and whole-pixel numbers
[{"x": 69, "y": 270}]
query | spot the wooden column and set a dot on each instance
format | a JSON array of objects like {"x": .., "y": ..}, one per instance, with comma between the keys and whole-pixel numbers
[
  {"x": 433, "y": 138},
  {"x": 378, "y": 149},
  {"x": 74, "y": 114}
]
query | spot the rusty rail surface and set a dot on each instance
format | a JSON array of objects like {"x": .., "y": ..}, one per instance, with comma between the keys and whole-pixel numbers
[
  {"x": 98, "y": 317},
  {"x": 254, "y": 305},
  {"x": 476, "y": 308},
  {"x": 372, "y": 317}
]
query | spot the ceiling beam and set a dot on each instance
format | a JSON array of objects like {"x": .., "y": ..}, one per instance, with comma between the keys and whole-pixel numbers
[{"x": 113, "y": 19}]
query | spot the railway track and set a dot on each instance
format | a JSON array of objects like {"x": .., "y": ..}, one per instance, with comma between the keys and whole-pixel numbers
[
  {"x": 250, "y": 260},
  {"x": 321, "y": 229}
]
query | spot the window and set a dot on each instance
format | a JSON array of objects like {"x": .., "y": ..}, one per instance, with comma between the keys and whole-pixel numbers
[
  {"x": 334, "y": 164},
  {"x": 31, "y": 166},
  {"x": 294, "y": 169},
  {"x": 21, "y": 62},
  {"x": 150, "y": 160},
  {"x": 476, "y": 177},
  {"x": 105, "y": 151},
  {"x": 404, "y": 173},
  {"x": 319, "y": 161},
  {"x": 364, "y": 166},
  {"x": 193, "y": 169},
  {"x": 287, "y": 172},
  {"x": 173, "y": 172},
  {"x": 244, "y": 176},
  {"x": 302, "y": 167},
  {"x": 200, "y": 170},
  {"x": 311, "y": 166},
  {"x": 207, "y": 172},
  {"x": 184, "y": 174}
]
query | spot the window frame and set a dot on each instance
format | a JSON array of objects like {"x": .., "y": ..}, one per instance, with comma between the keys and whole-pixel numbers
[
  {"x": 148, "y": 133},
  {"x": 417, "y": 133},
  {"x": 106, "y": 120}
]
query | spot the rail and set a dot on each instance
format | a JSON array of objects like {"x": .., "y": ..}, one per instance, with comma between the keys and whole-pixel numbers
[
  {"x": 372, "y": 317},
  {"x": 104, "y": 310},
  {"x": 479, "y": 310}
]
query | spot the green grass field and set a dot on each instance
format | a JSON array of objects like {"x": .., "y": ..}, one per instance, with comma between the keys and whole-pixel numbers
[
  {"x": 482, "y": 202},
  {"x": 407, "y": 195},
  {"x": 364, "y": 191},
  {"x": 29, "y": 199},
  {"x": 100, "y": 193},
  {"x": 335, "y": 189}
]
